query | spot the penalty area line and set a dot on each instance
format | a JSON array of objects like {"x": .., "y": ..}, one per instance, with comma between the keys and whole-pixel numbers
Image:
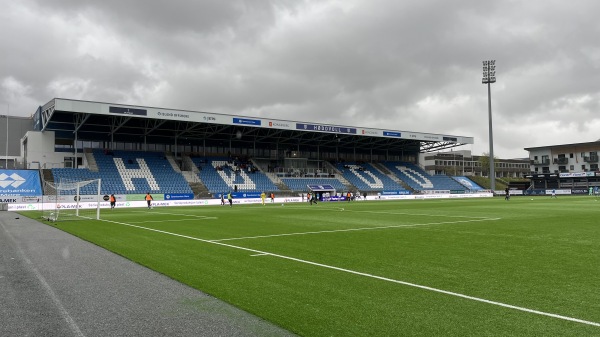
[{"x": 381, "y": 278}]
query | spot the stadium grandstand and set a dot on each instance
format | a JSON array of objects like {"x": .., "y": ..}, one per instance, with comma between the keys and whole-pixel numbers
[{"x": 201, "y": 155}]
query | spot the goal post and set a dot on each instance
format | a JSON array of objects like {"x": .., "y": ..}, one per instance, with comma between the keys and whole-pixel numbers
[{"x": 68, "y": 199}]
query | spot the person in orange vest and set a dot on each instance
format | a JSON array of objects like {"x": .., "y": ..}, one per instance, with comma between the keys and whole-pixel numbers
[
  {"x": 272, "y": 197},
  {"x": 113, "y": 201},
  {"x": 149, "y": 200},
  {"x": 348, "y": 196},
  {"x": 308, "y": 197}
]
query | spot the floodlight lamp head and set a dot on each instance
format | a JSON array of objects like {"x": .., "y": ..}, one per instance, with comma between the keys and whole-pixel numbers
[{"x": 489, "y": 72}]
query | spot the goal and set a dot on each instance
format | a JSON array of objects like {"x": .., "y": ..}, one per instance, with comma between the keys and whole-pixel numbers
[{"x": 68, "y": 199}]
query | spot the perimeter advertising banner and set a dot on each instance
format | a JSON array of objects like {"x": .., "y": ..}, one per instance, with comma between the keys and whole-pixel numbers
[
  {"x": 179, "y": 196},
  {"x": 395, "y": 192},
  {"x": 20, "y": 183},
  {"x": 206, "y": 202},
  {"x": 240, "y": 195}
]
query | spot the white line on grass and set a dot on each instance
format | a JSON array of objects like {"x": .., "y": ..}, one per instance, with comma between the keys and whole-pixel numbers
[
  {"x": 355, "y": 229},
  {"x": 391, "y": 213},
  {"x": 175, "y": 220},
  {"x": 178, "y": 214},
  {"x": 421, "y": 214},
  {"x": 477, "y": 299}
]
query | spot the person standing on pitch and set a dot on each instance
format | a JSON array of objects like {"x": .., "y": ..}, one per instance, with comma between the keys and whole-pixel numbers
[
  {"x": 506, "y": 194},
  {"x": 222, "y": 199},
  {"x": 230, "y": 199},
  {"x": 149, "y": 200},
  {"x": 113, "y": 201},
  {"x": 263, "y": 195},
  {"x": 272, "y": 197}
]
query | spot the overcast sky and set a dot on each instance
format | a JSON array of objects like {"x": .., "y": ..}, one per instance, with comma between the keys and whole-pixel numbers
[{"x": 403, "y": 65}]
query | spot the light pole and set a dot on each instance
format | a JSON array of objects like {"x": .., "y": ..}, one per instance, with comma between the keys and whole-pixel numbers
[
  {"x": 489, "y": 77},
  {"x": 6, "y": 150}
]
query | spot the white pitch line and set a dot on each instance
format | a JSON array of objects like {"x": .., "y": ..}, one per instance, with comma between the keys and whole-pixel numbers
[
  {"x": 261, "y": 254},
  {"x": 354, "y": 229},
  {"x": 441, "y": 291},
  {"x": 174, "y": 220},
  {"x": 421, "y": 214},
  {"x": 392, "y": 213},
  {"x": 178, "y": 214}
]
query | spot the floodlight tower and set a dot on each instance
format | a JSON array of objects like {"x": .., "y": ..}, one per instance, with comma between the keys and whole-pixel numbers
[
  {"x": 6, "y": 152},
  {"x": 489, "y": 77}
]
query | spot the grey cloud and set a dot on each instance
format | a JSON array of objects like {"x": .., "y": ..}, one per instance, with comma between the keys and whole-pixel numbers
[{"x": 407, "y": 65}]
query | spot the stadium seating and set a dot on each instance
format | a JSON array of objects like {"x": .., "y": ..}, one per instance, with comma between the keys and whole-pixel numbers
[
  {"x": 130, "y": 172},
  {"x": 223, "y": 174},
  {"x": 468, "y": 183},
  {"x": 419, "y": 180},
  {"x": 367, "y": 178},
  {"x": 65, "y": 175}
]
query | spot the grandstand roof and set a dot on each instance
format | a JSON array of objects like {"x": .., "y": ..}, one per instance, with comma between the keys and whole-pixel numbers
[
  {"x": 558, "y": 146},
  {"x": 97, "y": 121}
]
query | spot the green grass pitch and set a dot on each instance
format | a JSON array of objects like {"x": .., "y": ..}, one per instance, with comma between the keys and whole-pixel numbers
[{"x": 451, "y": 267}]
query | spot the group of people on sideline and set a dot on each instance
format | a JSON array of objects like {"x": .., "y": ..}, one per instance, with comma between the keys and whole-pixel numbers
[{"x": 311, "y": 198}]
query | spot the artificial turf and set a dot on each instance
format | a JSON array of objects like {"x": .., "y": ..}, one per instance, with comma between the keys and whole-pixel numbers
[{"x": 449, "y": 267}]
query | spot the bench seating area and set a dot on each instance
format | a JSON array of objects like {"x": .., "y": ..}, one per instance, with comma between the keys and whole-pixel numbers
[
  {"x": 419, "y": 180},
  {"x": 223, "y": 174},
  {"x": 129, "y": 172},
  {"x": 367, "y": 178}
]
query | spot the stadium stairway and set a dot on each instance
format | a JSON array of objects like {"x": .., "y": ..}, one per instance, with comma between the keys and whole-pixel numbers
[
  {"x": 173, "y": 162},
  {"x": 419, "y": 180},
  {"x": 90, "y": 159},
  {"x": 198, "y": 188},
  {"x": 220, "y": 174},
  {"x": 340, "y": 176},
  {"x": 366, "y": 178},
  {"x": 388, "y": 173},
  {"x": 46, "y": 174},
  {"x": 188, "y": 164}
]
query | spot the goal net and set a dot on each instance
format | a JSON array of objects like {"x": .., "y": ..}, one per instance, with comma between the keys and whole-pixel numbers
[{"x": 71, "y": 199}]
